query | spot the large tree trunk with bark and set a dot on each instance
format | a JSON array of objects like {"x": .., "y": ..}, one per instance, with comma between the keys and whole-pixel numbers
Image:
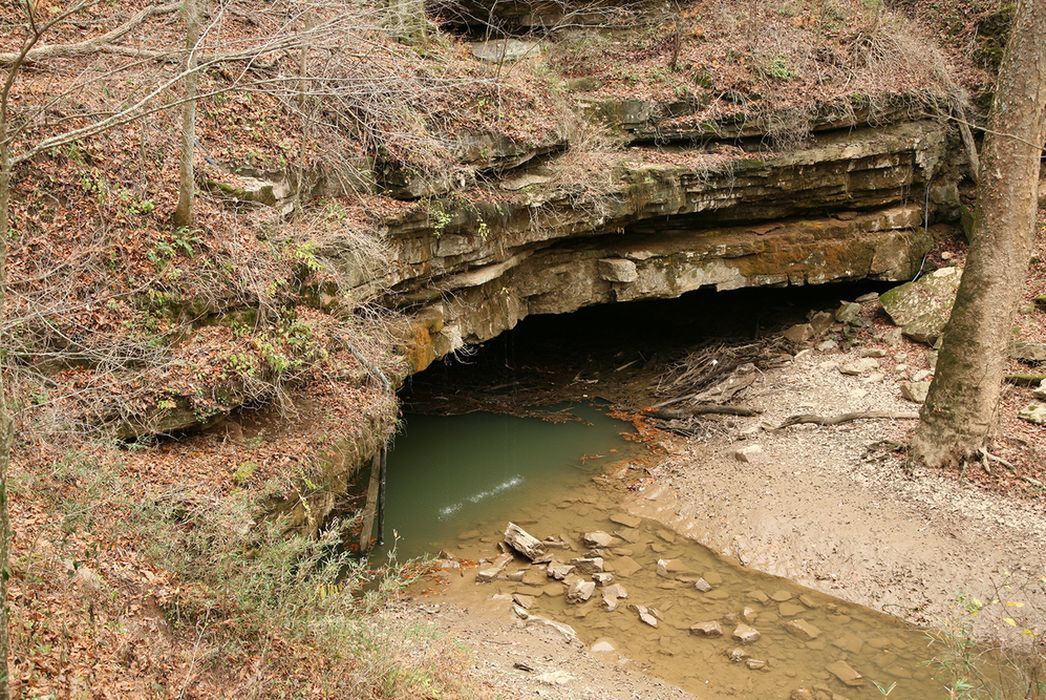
[
  {"x": 183, "y": 215},
  {"x": 6, "y": 420},
  {"x": 961, "y": 409}
]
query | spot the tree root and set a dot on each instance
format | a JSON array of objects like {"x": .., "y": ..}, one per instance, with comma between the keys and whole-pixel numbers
[
  {"x": 703, "y": 409},
  {"x": 845, "y": 418}
]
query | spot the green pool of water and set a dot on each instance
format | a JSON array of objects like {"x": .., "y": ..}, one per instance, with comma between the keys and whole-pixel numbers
[{"x": 449, "y": 474}]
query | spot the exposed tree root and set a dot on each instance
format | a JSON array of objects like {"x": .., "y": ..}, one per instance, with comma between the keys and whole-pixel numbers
[
  {"x": 701, "y": 410},
  {"x": 846, "y": 418}
]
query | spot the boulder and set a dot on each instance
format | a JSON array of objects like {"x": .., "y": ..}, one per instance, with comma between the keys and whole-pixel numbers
[
  {"x": 849, "y": 313},
  {"x": 603, "y": 578},
  {"x": 1027, "y": 351},
  {"x": 858, "y": 367},
  {"x": 921, "y": 308},
  {"x": 915, "y": 391},
  {"x": 1035, "y": 412},
  {"x": 1040, "y": 391},
  {"x": 799, "y": 333},
  {"x": 702, "y": 585},
  {"x": 505, "y": 50}
]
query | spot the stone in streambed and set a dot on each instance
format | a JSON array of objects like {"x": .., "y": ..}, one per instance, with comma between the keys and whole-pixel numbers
[
  {"x": 603, "y": 646},
  {"x": 670, "y": 568},
  {"x": 702, "y": 585},
  {"x": 523, "y": 542},
  {"x": 746, "y": 634},
  {"x": 488, "y": 574},
  {"x": 781, "y": 595},
  {"x": 598, "y": 539},
  {"x": 625, "y": 566},
  {"x": 523, "y": 600},
  {"x": 710, "y": 628},
  {"x": 790, "y": 609},
  {"x": 845, "y": 673},
  {"x": 613, "y": 593},
  {"x": 588, "y": 565},
  {"x": 580, "y": 591},
  {"x": 603, "y": 578},
  {"x": 625, "y": 519},
  {"x": 646, "y": 615},
  {"x": 559, "y": 570},
  {"x": 755, "y": 664},
  {"x": 802, "y": 629}
]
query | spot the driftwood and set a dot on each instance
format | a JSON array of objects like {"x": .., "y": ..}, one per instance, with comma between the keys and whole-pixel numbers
[
  {"x": 523, "y": 542},
  {"x": 845, "y": 418},
  {"x": 700, "y": 410}
]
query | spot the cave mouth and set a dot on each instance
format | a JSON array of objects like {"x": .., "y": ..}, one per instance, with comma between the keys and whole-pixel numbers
[{"x": 588, "y": 353}]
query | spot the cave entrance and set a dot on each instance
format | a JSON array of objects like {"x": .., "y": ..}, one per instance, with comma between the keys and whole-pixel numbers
[{"x": 541, "y": 410}]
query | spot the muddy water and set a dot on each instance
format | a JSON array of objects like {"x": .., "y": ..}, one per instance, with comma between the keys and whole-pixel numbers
[{"x": 805, "y": 639}]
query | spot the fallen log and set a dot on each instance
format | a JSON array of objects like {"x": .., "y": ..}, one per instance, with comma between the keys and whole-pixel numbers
[
  {"x": 701, "y": 410},
  {"x": 846, "y": 418}
]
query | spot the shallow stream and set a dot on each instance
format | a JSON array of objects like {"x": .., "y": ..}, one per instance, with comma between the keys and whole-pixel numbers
[{"x": 455, "y": 481}]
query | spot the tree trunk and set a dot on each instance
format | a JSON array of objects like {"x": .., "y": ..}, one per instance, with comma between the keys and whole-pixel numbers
[
  {"x": 6, "y": 421},
  {"x": 960, "y": 410},
  {"x": 183, "y": 215}
]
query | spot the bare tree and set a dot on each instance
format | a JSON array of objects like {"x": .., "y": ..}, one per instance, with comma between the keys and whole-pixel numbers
[
  {"x": 183, "y": 214},
  {"x": 960, "y": 410}
]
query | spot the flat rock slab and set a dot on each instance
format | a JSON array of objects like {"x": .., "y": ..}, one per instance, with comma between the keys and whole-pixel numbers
[
  {"x": 746, "y": 634},
  {"x": 625, "y": 519},
  {"x": 498, "y": 50},
  {"x": 709, "y": 628},
  {"x": 588, "y": 565},
  {"x": 845, "y": 673},
  {"x": 598, "y": 539},
  {"x": 523, "y": 542},
  {"x": 858, "y": 367},
  {"x": 646, "y": 615},
  {"x": 625, "y": 566},
  {"x": 581, "y": 591},
  {"x": 488, "y": 574},
  {"x": 802, "y": 629},
  {"x": 921, "y": 308}
]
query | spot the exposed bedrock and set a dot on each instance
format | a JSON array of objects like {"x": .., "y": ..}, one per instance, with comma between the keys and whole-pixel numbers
[{"x": 851, "y": 206}]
